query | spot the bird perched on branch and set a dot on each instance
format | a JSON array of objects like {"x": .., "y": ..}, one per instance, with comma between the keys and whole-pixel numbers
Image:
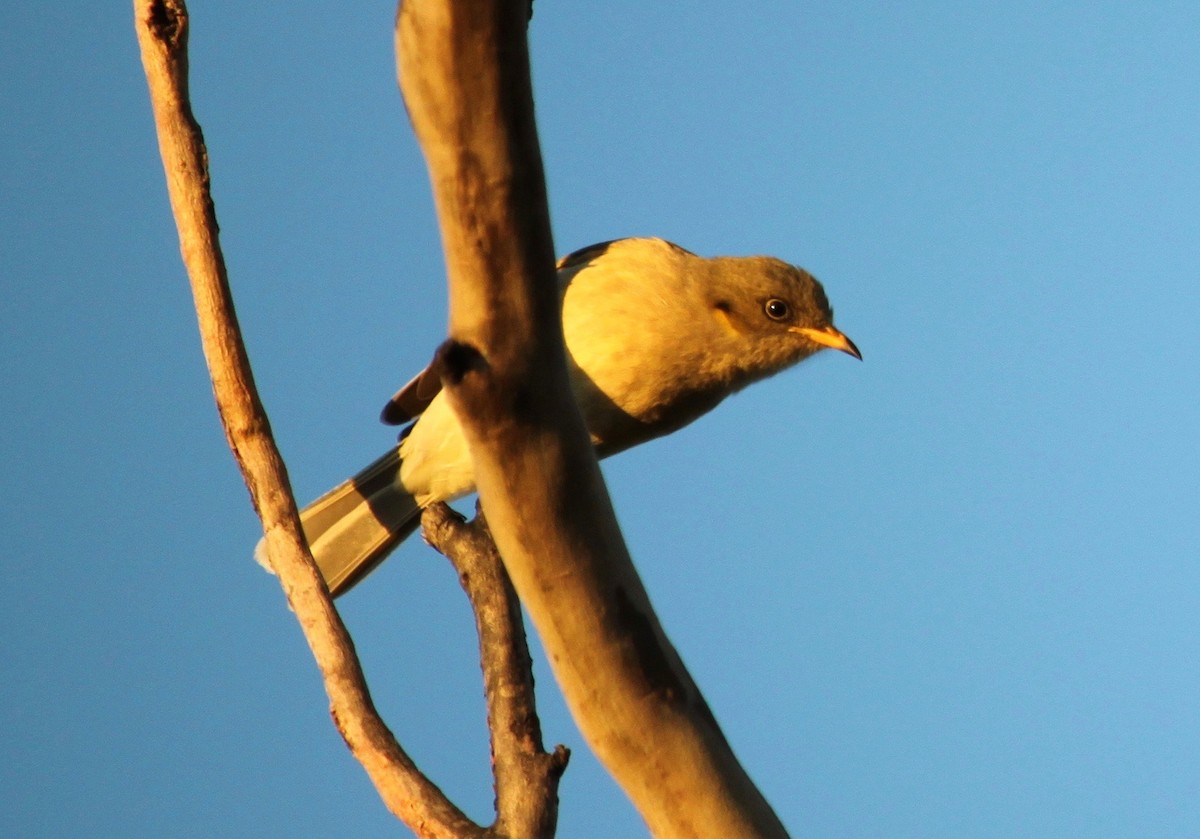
[{"x": 656, "y": 336}]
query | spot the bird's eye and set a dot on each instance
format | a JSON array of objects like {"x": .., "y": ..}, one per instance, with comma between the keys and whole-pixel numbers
[{"x": 777, "y": 309}]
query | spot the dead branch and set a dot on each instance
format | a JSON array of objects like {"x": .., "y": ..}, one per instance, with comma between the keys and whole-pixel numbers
[{"x": 162, "y": 29}]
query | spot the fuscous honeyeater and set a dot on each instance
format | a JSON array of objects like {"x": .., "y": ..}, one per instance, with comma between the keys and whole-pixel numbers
[{"x": 656, "y": 336}]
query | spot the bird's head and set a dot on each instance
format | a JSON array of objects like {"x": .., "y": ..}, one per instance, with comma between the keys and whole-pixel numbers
[{"x": 779, "y": 313}]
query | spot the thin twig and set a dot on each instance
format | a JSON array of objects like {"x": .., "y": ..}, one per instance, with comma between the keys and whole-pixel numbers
[{"x": 526, "y": 776}]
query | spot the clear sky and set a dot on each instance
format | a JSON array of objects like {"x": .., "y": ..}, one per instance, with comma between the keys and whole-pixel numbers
[{"x": 951, "y": 591}]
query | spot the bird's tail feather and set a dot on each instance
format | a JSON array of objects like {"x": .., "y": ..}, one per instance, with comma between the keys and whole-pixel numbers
[{"x": 354, "y": 526}]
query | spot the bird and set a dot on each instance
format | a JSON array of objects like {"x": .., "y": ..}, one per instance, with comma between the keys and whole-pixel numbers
[{"x": 655, "y": 337}]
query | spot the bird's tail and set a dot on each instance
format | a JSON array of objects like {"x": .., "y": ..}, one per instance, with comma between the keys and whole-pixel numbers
[{"x": 354, "y": 526}]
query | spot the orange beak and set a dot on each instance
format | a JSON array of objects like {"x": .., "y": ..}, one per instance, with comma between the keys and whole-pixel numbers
[{"x": 827, "y": 336}]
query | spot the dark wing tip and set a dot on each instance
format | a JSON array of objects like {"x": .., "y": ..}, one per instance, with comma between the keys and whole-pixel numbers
[
  {"x": 411, "y": 400},
  {"x": 394, "y": 412}
]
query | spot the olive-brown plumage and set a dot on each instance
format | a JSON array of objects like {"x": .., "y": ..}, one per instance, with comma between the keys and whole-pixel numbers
[{"x": 656, "y": 336}]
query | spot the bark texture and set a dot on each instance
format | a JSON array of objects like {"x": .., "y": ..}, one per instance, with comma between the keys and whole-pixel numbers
[{"x": 464, "y": 71}]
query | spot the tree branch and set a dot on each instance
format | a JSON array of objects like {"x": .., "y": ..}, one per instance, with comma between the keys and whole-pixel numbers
[
  {"x": 162, "y": 28},
  {"x": 526, "y": 776},
  {"x": 464, "y": 71}
]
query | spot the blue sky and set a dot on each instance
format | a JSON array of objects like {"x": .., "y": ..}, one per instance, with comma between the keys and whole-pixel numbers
[{"x": 951, "y": 591}]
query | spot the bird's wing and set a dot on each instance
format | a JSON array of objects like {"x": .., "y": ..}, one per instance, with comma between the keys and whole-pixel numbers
[{"x": 411, "y": 400}]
